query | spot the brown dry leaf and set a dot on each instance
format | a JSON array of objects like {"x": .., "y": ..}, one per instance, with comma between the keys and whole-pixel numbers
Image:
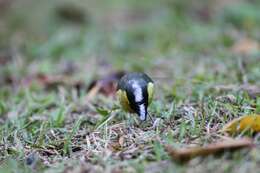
[
  {"x": 245, "y": 46},
  {"x": 186, "y": 154},
  {"x": 107, "y": 85},
  {"x": 247, "y": 122},
  {"x": 253, "y": 91},
  {"x": 51, "y": 81}
]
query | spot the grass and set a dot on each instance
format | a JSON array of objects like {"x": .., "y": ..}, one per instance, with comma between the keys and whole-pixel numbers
[{"x": 188, "y": 50}]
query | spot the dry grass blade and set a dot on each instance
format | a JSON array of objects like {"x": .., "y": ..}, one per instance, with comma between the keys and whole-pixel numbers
[
  {"x": 105, "y": 121},
  {"x": 186, "y": 154}
]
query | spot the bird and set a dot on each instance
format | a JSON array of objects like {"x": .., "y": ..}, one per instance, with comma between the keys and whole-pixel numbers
[{"x": 135, "y": 92}]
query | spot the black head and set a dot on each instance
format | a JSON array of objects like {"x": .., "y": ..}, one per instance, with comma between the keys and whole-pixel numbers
[{"x": 135, "y": 85}]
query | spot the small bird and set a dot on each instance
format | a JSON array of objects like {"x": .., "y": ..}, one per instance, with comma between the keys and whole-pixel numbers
[{"x": 135, "y": 93}]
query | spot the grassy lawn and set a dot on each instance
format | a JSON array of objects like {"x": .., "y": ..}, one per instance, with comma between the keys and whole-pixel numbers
[{"x": 203, "y": 57}]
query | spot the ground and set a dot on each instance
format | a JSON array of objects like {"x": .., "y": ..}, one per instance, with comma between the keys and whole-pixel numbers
[{"x": 202, "y": 56}]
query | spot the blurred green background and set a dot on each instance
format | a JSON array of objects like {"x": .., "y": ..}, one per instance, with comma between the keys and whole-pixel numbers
[{"x": 130, "y": 35}]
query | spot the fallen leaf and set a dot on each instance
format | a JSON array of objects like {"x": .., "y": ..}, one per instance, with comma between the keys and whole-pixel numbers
[
  {"x": 51, "y": 81},
  {"x": 186, "y": 154},
  {"x": 247, "y": 122},
  {"x": 253, "y": 91},
  {"x": 107, "y": 85},
  {"x": 245, "y": 46}
]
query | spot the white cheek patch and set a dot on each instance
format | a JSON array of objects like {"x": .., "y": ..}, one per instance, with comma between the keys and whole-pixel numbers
[
  {"x": 139, "y": 98},
  {"x": 137, "y": 92},
  {"x": 142, "y": 112}
]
